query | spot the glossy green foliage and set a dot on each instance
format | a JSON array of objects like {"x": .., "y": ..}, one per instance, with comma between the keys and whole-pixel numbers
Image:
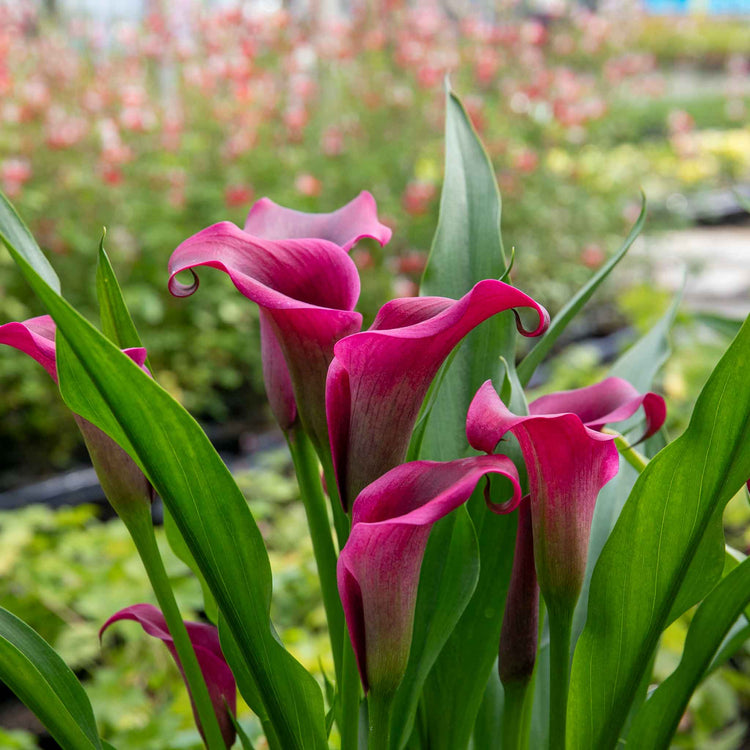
[
  {"x": 657, "y": 720},
  {"x": 467, "y": 247},
  {"x": 452, "y": 563},
  {"x": 665, "y": 518},
  {"x": 105, "y": 386},
  {"x": 638, "y": 365},
  {"x": 41, "y": 679},
  {"x": 117, "y": 324}
]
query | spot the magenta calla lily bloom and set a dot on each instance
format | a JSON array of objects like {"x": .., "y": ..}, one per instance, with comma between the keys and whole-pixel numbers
[
  {"x": 36, "y": 337},
  {"x": 568, "y": 462},
  {"x": 378, "y": 378},
  {"x": 378, "y": 569},
  {"x": 295, "y": 268},
  {"x": 345, "y": 227},
  {"x": 121, "y": 479},
  {"x": 205, "y": 639}
]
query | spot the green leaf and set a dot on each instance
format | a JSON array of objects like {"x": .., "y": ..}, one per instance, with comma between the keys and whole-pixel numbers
[
  {"x": 638, "y": 365},
  {"x": 117, "y": 324},
  {"x": 489, "y": 722},
  {"x": 245, "y": 741},
  {"x": 98, "y": 381},
  {"x": 245, "y": 681},
  {"x": 646, "y": 559},
  {"x": 467, "y": 248},
  {"x": 119, "y": 328},
  {"x": 454, "y": 689},
  {"x": 180, "y": 548},
  {"x": 451, "y": 566},
  {"x": 33, "y": 670},
  {"x": 560, "y": 322},
  {"x": 15, "y": 234},
  {"x": 657, "y": 720}
]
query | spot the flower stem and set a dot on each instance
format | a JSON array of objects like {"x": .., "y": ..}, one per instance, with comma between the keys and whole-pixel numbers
[
  {"x": 636, "y": 459},
  {"x": 560, "y": 627},
  {"x": 340, "y": 519},
  {"x": 379, "y": 715},
  {"x": 349, "y": 698},
  {"x": 142, "y": 531},
  {"x": 308, "y": 476},
  {"x": 515, "y": 713}
]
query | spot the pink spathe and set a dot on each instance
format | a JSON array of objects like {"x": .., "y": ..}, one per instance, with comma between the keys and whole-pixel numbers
[
  {"x": 378, "y": 378},
  {"x": 378, "y": 569},
  {"x": 568, "y": 462}
]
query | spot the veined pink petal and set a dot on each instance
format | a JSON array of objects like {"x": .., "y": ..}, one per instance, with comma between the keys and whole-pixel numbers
[
  {"x": 307, "y": 290},
  {"x": 611, "y": 400},
  {"x": 378, "y": 569},
  {"x": 568, "y": 464},
  {"x": 35, "y": 337},
  {"x": 344, "y": 227},
  {"x": 389, "y": 369},
  {"x": 205, "y": 639}
]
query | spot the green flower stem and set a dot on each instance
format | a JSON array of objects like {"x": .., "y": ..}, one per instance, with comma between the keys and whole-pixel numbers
[
  {"x": 349, "y": 699},
  {"x": 516, "y": 711},
  {"x": 141, "y": 529},
  {"x": 636, "y": 459},
  {"x": 341, "y": 521},
  {"x": 308, "y": 476},
  {"x": 349, "y": 686},
  {"x": 560, "y": 626},
  {"x": 379, "y": 715}
]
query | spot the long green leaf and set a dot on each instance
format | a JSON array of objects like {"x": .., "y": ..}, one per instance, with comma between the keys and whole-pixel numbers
[
  {"x": 117, "y": 324},
  {"x": 646, "y": 559},
  {"x": 467, "y": 248},
  {"x": 14, "y": 233},
  {"x": 638, "y": 365},
  {"x": 98, "y": 381},
  {"x": 452, "y": 559},
  {"x": 119, "y": 328},
  {"x": 657, "y": 720},
  {"x": 560, "y": 322},
  {"x": 454, "y": 689},
  {"x": 33, "y": 670}
]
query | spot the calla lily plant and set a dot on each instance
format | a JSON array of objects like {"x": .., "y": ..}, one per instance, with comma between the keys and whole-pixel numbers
[{"x": 459, "y": 530}]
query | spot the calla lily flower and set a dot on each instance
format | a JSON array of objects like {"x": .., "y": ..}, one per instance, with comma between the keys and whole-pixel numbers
[
  {"x": 295, "y": 267},
  {"x": 345, "y": 227},
  {"x": 378, "y": 378},
  {"x": 378, "y": 569},
  {"x": 205, "y": 639},
  {"x": 121, "y": 479},
  {"x": 568, "y": 462}
]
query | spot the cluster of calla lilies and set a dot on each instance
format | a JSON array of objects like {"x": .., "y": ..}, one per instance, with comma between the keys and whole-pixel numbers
[{"x": 357, "y": 396}]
